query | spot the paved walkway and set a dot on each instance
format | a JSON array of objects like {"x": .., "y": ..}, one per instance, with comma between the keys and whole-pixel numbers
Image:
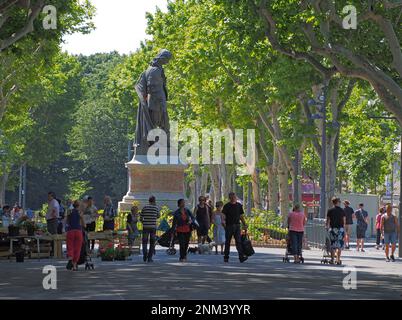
[{"x": 263, "y": 276}]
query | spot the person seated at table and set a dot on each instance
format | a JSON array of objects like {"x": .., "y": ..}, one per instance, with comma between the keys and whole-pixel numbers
[
  {"x": 6, "y": 211},
  {"x": 74, "y": 236},
  {"x": 6, "y": 215},
  {"x": 18, "y": 215}
]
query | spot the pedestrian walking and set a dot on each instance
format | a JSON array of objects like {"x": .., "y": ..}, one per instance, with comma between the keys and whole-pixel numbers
[
  {"x": 203, "y": 216},
  {"x": 390, "y": 229},
  {"x": 234, "y": 213},
  {"x": 218, "y": 219},
  {"x": 182, "y": 222},
  {"x": 378, "y": 228},
  {"x": 131, "y": 226},
  {"x": 74, "y": 223},
  {"x": 296, "y": 222},
  {"x": 336, "y": 220},
  {"x": 361, "y": 216},
  {"x": 349, "y": 212},
  {"x": 149, "y": 215}
]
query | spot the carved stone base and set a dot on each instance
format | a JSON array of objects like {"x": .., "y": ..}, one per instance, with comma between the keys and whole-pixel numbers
[{"x": 164, "y": 181}]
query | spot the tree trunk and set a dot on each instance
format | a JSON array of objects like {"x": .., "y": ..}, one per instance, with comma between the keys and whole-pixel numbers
[
  {"x": 330, "y": 176},
  {"x": 3, "y": 184},
  {"x": 296, "y": 181},
  {"x": 272, "y": 188},
  {"x": 225, "y": 173},
  {"x": 215, "y": 182},
  {"x": 255, "y": 183},
  {"x": 283, "y": 176},
  {"x": 204, "y": 182}
]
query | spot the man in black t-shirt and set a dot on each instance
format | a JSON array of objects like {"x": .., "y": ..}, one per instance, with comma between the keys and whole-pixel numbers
[
  {"x": 234, "y": 213},
  {"x": 336, "y": 220},
  {"x": 349, "y": 212}
]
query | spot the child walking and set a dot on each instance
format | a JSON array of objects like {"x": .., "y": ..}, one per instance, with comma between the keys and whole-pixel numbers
[
  {"x": 132, "y": 219},
  {"x": 218, "y": 220}
]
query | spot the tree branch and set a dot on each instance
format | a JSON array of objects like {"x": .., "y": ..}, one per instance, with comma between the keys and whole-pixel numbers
[
  {"x": 35, "y": 11},
  {"x": 270, "y": 33},
  {"x": 393, "y": 41}
]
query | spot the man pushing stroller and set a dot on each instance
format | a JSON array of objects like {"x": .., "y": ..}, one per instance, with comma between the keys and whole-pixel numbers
[{"x": 336, "y": 220}]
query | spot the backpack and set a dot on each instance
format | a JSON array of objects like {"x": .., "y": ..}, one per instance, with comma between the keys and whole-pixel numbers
[{"x": 362, "y": 224}]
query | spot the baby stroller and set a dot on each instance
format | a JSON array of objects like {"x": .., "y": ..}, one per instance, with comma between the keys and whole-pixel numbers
[
  {"x": 84, "y": 255},
  {"x": 326, "y": 250},
  {"x": 288, "y": 251},
  {"x": 168, "y": 240}
]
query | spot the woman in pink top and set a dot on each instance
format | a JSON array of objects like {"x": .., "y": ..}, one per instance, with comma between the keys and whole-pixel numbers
[
  {"x": 378, "y": 227},
  {"x": 296, "y": 222}
]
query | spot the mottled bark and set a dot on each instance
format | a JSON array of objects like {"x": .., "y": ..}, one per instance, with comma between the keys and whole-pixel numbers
[
  {"x": 255, "y": 184},
  {"x": 283, "y": 176},
  {"x": 203, "y": 182},
  {"x": 273, "y": 186},
  {"x": 215, "y": 182},
  {"x": 3, "y": 184}
]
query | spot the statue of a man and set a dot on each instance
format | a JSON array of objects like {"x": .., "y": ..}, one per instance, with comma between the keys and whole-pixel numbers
[{"x": 152, "y": 110}]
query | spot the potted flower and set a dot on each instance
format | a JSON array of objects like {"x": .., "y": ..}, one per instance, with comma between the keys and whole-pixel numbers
[
  {"x": 108, "y": 253},
  {"x": 121, "y": 253},
  {"x": 30, "y": 227}
]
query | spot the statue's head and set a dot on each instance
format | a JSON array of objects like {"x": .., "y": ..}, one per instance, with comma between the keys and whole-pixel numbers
[{"x": 164, "y": 56}]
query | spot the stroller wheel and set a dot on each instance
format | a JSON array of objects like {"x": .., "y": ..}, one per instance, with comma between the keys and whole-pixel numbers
[{"x": 283, "y": 260}]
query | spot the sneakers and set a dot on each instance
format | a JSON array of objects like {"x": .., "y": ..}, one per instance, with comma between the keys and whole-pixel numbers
[
  {"x": 243, "y": 259},
  {"x": 393, "y": 258},
  {"x": 387, "y": 259}
]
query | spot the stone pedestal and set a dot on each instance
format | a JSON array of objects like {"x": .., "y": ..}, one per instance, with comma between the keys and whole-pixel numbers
[{"x": 164, "y": 181}]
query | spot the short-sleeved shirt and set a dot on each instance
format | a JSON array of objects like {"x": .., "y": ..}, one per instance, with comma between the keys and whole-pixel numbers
[
  {"x": 349, "y": 214},
  {"x": 232, "y": 212},
  {"x": 150, "y": 213},
  {"x": 296, "y": 221},
  {"x": 53, "y": 204},
  {"x": 336, "y": 215},
  {"x": 361, "y": 215}
]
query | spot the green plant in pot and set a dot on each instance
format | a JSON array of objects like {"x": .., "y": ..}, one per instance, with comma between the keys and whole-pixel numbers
[
  {"x": 108, "y": 253},
  {"x": 29, "y": 226},
  {"x": 121, "y": 253}
]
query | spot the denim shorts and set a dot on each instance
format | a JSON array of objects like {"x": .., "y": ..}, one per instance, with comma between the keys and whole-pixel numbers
[{"x": 390, "y": 238}]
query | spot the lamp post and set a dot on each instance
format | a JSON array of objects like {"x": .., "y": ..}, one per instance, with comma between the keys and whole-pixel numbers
[{"x": 322, "y": 114}]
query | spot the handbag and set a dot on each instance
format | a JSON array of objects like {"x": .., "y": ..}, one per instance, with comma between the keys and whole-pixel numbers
[{"x": 247, "y": 246}]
